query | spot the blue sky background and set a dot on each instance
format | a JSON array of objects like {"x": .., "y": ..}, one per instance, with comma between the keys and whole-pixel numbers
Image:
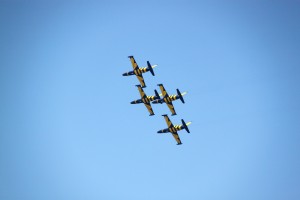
[{"x": 68, "y": 131}]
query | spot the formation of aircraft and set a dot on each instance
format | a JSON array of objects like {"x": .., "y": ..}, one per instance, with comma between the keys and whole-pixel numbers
[
  {"x": 139, "y": 71},
  {"x": 174, "y": 128},
  {"x": 156, "y": 99}
]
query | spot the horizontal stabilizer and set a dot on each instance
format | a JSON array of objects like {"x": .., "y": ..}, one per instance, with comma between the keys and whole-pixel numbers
[
  {"x": 185, "y": 125},
  {"x": 150, "y": 68},
  {"x": 156, "y": 94},
  {"x": 180, "y": 96}
]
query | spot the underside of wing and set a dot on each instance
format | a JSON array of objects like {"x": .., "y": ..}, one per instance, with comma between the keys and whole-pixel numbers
[
  {"x": 142, "y": 93},
  {"x": 141, "y": 79},
  {"x": 171, "y": 107},
  {"x": 177, "y": 138},
  {"x": 149, "y": 108},
  {"x": 133, "y": 63},
  {"x": 162, "y": 89},
  {"x": 168, "y": 121}
]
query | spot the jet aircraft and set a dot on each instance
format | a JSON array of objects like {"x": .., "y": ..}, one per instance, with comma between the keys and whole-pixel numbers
[
  {"x": 174, "y": 128},
  {"x": 139, "y": 71},
  {"x": 146, "y": 99},
  {"x": 168, "y": 99}
]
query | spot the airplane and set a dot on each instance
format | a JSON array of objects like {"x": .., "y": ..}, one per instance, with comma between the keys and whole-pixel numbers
[
  {"x": 174, "y": 128},
  {"x": 168, "y": 99},
  {"x": 139, "y": 71},
  {"x": 146, "y": 99}
]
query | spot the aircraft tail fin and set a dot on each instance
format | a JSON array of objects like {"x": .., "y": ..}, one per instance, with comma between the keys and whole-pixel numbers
[
  {"x": 180, "y": 96},
  {"x": 150, "y": 68},
  {"x": 185, "y": 126}
]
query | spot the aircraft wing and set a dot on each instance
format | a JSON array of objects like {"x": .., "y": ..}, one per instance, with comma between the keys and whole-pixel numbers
[
  {"x": 168, "y": 121},
  {"x": 171, "y": 107},
  {"x": 141, "y": 79},
  {"x": 134, "y": 64},
  {"x": 149, "y": 108},
  {"x": 177, "y": 138},
  {"x": 142, "y": 93},
  {"x": 147, "y": 101},
  {"x": 173, "y": 129},
  {"x": 163, "y": 90}
]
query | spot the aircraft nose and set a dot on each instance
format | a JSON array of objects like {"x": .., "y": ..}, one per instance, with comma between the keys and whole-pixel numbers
[
  {"x": 124, "y": 74},
  {"x": 159, "y": 131},
  {"x": 133, "y": 102}
]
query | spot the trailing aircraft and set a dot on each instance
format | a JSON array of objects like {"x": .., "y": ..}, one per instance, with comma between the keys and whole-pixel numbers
[
  {"x": 139, "y": 71},
  {"x": 168, "y": 99},
  {"x": 174, "y": 128},
  {"x": 146, "y": 99}
]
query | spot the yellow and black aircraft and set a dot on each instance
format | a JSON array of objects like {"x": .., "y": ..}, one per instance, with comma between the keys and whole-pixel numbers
[
  {"x": 168, "y": 99},
  {"x": 146, "y": 99},
  {"x": 174, "y": 128},
  {"x": 139, "y": 71}
]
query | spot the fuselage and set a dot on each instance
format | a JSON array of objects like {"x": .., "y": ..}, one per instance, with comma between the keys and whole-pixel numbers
[
  {"x": 166, "y": 99},
  {"x": 136, "y": 71},
  {"x": 172, "y": 129},
  {"x": 148, "y": 99}
]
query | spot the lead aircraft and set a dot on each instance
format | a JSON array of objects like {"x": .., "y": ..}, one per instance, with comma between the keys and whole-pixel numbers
[
  {"x": 139, "y": 71},
  {"x": 146, "y": 99},
  {"x": 174, "y": 128},
  {"x": 168, "y": 99}
]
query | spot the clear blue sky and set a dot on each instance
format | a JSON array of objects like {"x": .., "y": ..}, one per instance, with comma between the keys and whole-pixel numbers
[{"x": 68, "y": 130}]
